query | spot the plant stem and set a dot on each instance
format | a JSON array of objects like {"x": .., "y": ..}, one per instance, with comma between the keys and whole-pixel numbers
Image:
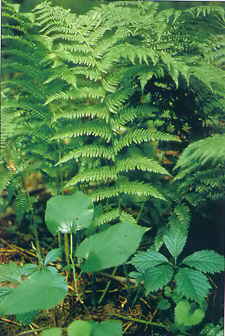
[
  {"x": 107, "y": 287},
  {"x": 128, "y": 318},
  {"x": 66, "y": 249},
  {"x": 73, "y": 265},
  {"x": 140, "y": 212}
]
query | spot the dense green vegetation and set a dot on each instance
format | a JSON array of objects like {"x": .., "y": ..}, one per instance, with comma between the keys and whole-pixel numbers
[{"x": 112, "y": 158}]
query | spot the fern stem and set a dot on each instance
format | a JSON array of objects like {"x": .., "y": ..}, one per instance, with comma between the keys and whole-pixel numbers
[{"x": 128, "y": 318}]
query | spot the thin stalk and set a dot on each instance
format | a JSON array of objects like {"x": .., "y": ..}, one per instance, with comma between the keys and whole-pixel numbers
[
  {"x": 59, "y": 239},
  {"x": 140, "y": 212},
  {"x": 67, "y": 249},
  {"x": 107, "y": 287},
  {"x": 128, "y": 318},
  {"x": 73, "y": 265}
]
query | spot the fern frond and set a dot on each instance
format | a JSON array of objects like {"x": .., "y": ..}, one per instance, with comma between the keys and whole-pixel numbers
[
  {"x": 134, "y": 188},
  {"x": 107, "y": 217},
  {"x": 211, "y": 149},
  {"x": 140, "y": 163},
  {"x": 98, "y": 111},
  {"x": 81, "y": 93},
  {"x": 115, "y": 101},
  {"x": 89, "y": 151},
  {"x": 102, "y": 174},
  {"x": 138, "y": 136},
  {"x": 94, "y": 128}
]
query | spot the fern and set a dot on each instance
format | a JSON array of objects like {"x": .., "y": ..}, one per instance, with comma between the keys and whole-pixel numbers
[{"x": 84, "y": 75}]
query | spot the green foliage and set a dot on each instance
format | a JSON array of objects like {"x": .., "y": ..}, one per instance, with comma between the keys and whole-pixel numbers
[
  {"x": 184, "y": 316},
  {"x": 53, "y": 255},
  {"x": 25, "y": 296},
  {"x": 88, "y": 328},
  {"x": 157, "y": 277},
  {"x": 157, "y": 271},
  {"x": 52, "y": 332},
  {"x": 111, "y": 247},
  {"x": 68, "y": 214},
  {"x": 105, "y": 105},
  {"x": 175, "y": 239},
  {"x": 211, "y": 329},
  {"x": 26, "y": 318},
  {"x": 205, "y": 261},
  {"x": 192, "y": 284},
  {"x": 80, "y": 328},
  {"x": 145, "y": 260}
]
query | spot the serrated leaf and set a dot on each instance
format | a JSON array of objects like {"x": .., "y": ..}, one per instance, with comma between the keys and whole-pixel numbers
[
  {"x": 192, "y": 284},
  {"x": 80, "y": 328},
  {"x": 53, "y": 255},
  {"x": 206, "y": 261},
  {"x": 145, "y": 260},
  {"x": 185, "y": 317},
  {"x": 110, "y": 248},
  {"x": 52, "y": 332},
  {"x": 109, "y": 328},
  {"x": 42, "y": 290},
  {"x": 157, "y": 277},
  {"x": 175, "y": 240},
  {"x": 68, "y": 214}
]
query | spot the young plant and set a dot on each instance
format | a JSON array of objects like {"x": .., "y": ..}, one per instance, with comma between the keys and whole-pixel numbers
[
  {"x": 88, "y": 328},
  {"x": 31, "y": 287},
  {"x": 187, "y": 277},
  {"x": 109, "y": 248}
]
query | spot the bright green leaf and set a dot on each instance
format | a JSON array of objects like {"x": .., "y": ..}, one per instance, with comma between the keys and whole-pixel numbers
[
  {"x": 80, "y": 328},
  {"x": 185, "y": 317},
  {"x": 145, "y": 260},
  {"x": 175, "y": 240},
  {"x": 111, "y": 247},
  {"x": 42, "y": 290},
  {"x": 157, "y": 277},
  {"x": 52, "y": 332},
  {"x": 68, "y": 214},
  {"x": 109, "y": 328},
  {"x": 206, "y": 261},
  {"x": 53, "y": 255},
  {"x": 192, "y": 284}
]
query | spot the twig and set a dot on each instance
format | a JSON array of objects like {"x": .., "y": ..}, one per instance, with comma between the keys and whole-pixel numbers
[
  {"x": 9, "y": 321},
  {"x": 119, "y": 278},
  {"x": 128, "y": 318},
  {"x": 107, "y": 287}
]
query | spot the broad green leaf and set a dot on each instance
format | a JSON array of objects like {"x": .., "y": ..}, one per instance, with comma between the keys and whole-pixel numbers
[
  {"x": 53, "y": 255},
  {"x": 52, "y": 332},
  {"x": 27, "y": 318},
  {"x": 68, "y": 214},
  {"x": 157, "y": 277},
  {"x": 192, "y": 284},
  {"x": 175, "y": 240},
  {"x": 205, "y": 261},
  {"x": 10, "y": 272},
  {"x": 109, "y": 328},
  {"x": 145, "y": 260},
  {"x": 80, "y": 328},
  {"x": 42, "y": 290},
  {"x": 185, "y": 317},
  {"x": 111, "y": 247}
]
